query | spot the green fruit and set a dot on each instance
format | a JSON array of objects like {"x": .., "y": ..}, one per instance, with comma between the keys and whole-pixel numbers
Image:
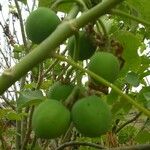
[
  {"x": 91, "y": 116},
  {"x": 40, "y": 24},
  {"x": 86, "y": 47},
  {"x": 50, "y": 119},
  {"x": 105, "y": 65},
  {"x": 60, "y": 91}
]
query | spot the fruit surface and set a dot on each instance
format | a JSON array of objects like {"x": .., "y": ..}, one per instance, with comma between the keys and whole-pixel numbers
[
  {"x": 105, "y": 65},
  {"x": 40, "y": 24},
  {"x": 50, "y": 119},
  {"x": 60, "y": 91},
  {"x": 85, "y": 48},
  {"x": 91, "y": 116}
]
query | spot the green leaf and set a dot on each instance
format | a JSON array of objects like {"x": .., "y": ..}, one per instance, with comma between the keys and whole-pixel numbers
[
  {"x": 46, "y": 84},
  {"x": 120, "y": 105},
  {"x": 133, "y": 79},
  {"x": 14, "y": 116},
  {"x": 18, "y": 48},
  {"x": 66, "y": 6},
  {"x": 28, "y": 98},
  {"x": 143, "y": 96},
  {"x": 143, "y": 137},
  {"x": 45, "y": 3},
  {"x": 31, "y": 85},
  {"x": 112, "y": 97},
  {"x": 130, "y": 43},
  {"x": 126, "y": 134},
  {"x": 147, "y": 96},
  {"x": 142, "y": 7},
  {"x": 3, "y": 112},
  {"x": 63, "y": 5}
]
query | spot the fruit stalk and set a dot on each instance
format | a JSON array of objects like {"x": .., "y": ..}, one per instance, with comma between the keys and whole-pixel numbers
[{"x": 103, "y": 81}]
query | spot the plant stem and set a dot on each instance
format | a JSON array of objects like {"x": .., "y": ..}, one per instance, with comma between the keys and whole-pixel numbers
[
  {"x": 27, "y": 137},
  {"x": 18, "y": 134},
  {"x": 21, "y": 24},
  {"x": 43, "y": 50},
  {"x": 106, "y": 83},
  {"x": 121, "y": 13},
  {"x": 75, "y": 143}
]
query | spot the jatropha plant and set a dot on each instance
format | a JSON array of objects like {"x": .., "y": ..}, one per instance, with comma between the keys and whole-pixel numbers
[{"x": 78, "y": 75}]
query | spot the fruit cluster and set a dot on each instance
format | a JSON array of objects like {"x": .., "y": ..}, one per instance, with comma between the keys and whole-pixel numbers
[{"x": 90, "y": 115}]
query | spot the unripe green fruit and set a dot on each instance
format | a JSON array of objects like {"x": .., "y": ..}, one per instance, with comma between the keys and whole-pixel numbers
[
  {"x": 40, "y": 24},
  {"x": 91, "y": 116},
  {"x": 105, "y": 65},
  {"x": 60, "y": 91},
  {"x": 86, "y": 47},
  {"x": 50, "y": 119}
]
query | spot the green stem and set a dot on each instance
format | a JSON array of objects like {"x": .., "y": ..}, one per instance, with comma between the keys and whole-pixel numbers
[
  {"x": 18, "y": 134},
  {"x": 73, "y": 13},
  {"x": 41, "y": 52},
  {"x": 103, "y": 81},
  {"x": 121, "y": 13}
]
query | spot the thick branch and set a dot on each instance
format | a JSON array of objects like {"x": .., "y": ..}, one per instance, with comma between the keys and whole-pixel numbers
[{"x": 40, "y": 53}]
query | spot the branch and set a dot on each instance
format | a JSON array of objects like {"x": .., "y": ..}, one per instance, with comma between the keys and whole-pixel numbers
[
  {"x": 41, "y": 52},
  {"x": 21, "y": 23},
  {"x": 105, "y": 82},
  {"x": 27, "y": 137},
  {"x": 136, "y": 147},
  {"x": 76, "y": 143}
]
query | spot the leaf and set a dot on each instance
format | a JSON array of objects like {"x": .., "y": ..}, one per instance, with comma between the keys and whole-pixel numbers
[
  {"x": 3, "y": 112},
  {"x": 112, "y": 97},
  {"x": 120, "y": 105},
  {"x": 14, "y": 116},
  {"x": 126, "y": 134},
  {"x": 147, "y": 96},
  {"x": 66, "y": 6},
  {"x": 143, "y": 95},
  {"x": 45, "y": 3},
  {"x": 126, "y": 105},
  {"x": 29, "y": 97},
  {"x": 46, "y": 84},
  {"x": 133, "y": 79},
  {"x": 130, "y": 43},
  {"x": 142, "y": 7},
  {"x": 143, "y": 137},
  {"x": 18, "y": 48},
  {"x": 63, "y": 6}
]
